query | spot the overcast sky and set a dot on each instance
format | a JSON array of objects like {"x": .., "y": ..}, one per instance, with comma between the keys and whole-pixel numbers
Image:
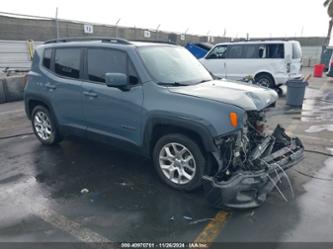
[{"x": 259, "y": 18}]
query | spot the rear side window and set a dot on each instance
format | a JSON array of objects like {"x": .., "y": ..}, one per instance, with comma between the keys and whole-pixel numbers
[
  {"x": 275, "y": 51},
  {"x": 47, "y": 58},
  {"x": 102, "y": 61},
  {"x": 67, "y": 62},
  {"x": 253, "y": 51}
]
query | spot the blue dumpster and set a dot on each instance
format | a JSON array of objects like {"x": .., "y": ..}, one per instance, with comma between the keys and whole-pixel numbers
[{"x": 200, "y": 49}]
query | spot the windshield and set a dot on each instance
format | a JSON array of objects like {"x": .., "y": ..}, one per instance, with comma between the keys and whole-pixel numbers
[{"x": 173, "y": 65}]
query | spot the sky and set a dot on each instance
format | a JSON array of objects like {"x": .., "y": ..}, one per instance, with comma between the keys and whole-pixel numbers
[{"x": 235, "y": 18}]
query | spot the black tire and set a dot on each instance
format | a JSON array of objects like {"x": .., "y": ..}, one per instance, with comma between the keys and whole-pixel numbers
[
  {"x": 196, "y": 152},
  {"x": 265, "y": 80},
  {"x": 55, "y": 135},
  {"x": 279, "y": 91}
]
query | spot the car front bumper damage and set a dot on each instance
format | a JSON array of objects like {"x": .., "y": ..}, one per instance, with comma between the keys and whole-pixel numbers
[{"x": 249, "y": 188}]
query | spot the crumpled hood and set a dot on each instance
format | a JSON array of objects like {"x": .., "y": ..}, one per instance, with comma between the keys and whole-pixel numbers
[{"x": 246, "y": 96}]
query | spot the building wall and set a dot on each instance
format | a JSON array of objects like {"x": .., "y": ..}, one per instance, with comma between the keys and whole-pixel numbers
[
  {"x": 311, "y": 55},
  {"x": 15, "y": 54},
  {"x": 13, "y": 28},
  {"x": 19, "y": 30}
]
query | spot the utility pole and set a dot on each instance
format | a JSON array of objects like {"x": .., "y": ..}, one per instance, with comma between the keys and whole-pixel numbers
[
  {"x": 57, "y": 23},
  {"x": 157, "y": 28},
  {"x": 208, "y": 40},
  {"x": 116, "y": 27}
]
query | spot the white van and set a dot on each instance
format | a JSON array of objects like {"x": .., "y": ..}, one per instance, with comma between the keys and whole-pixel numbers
[{"x": 270, "y": 63}]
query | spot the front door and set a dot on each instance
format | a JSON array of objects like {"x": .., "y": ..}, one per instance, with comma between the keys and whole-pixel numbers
[
  {"x": 214, "y": 61},
  {"x": 111, "y": 114}
]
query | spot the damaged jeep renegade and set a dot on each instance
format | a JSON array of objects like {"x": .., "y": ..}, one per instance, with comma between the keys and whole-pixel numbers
[{"x": 157, "y": 100}]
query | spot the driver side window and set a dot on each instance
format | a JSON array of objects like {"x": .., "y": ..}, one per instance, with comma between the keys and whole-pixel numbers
[{"x": 218, "y": 52}]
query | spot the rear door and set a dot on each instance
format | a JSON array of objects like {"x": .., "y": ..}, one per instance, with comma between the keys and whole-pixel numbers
[
  {"x": 64, "y": 86},
  {"x": 111, "y": 114},
  {"x": 214, "y": 61}
]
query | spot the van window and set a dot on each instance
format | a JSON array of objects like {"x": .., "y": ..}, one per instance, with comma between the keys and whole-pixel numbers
[
  {"x": 47, "y": 58},
  {"x": 253, "y": 51},
  {"x": 297, "y": 51},
  {"x": 102, "y": 61},
  {"x": 235, "y": 51},
  {"x": 262, "y": 51},
  {"x": 218, "y": 52},
  {"x": 275, "y": 51},
  {"x": 67, "y": 62}
]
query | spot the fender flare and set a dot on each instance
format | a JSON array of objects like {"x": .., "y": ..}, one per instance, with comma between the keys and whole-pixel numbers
[
  {"x": 33, "y": 97},
  {"x": 205, "y": 131}
]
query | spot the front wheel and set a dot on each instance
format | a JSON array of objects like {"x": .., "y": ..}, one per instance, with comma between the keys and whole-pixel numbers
[{"x": 179, "y": 161}]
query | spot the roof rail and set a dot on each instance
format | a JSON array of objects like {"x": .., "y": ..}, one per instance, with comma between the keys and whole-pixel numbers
[
  {"x": 155, "y": 41},
  {"x": 91, "y": 38}
]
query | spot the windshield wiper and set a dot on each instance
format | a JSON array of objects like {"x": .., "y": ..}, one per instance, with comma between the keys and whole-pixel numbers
[
  {"x": 172, "y": 84},
  {"x": 203, "y": 81}
]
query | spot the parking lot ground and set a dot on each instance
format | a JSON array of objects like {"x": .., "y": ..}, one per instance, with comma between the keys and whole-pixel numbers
[{"x": 89, "y": 192}]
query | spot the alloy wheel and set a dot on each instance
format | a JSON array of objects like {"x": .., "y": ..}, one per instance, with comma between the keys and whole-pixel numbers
[
  {"x": 177, "y": 163},
  {"x": 42, "y": 125}
]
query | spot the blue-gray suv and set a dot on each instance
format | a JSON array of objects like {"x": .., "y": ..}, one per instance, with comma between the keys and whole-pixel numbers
[{"x": 157, "y": 100}]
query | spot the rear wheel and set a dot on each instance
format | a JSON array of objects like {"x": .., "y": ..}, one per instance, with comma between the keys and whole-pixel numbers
[
  {"x": 44, "y": 126},
  {"x": 179, "y": 161},
  {"x": 265, "y": 80}
]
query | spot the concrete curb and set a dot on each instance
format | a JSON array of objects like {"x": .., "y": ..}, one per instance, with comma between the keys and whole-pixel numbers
[{"x": 11, "y": 88}]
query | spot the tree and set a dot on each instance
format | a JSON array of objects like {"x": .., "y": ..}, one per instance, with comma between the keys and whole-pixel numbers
[{"x": 329, "y": 5}]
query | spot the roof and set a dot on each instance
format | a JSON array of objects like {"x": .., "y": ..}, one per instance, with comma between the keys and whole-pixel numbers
[
  {"x": 256, "y": 42},
  {"x": 75, "y": 41}
]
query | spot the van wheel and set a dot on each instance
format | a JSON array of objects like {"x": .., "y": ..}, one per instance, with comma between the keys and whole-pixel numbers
[
  {"x": 265, "y": 80},
  {"x": 44, "y": 126},
  {"x": 179, "y": 161}
]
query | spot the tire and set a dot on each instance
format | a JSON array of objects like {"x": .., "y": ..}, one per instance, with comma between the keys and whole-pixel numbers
[
  {"x": 190, "y": 161},
  {"x": 265, "y": 80},
  {"x": 279, "y": 91},
  {"x": 44, "y": 126}
]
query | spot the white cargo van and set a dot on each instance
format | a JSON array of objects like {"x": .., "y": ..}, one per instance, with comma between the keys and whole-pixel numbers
[{"x": 270, "y": 63}]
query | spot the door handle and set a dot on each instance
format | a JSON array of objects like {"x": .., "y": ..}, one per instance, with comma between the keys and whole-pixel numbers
[
  {"x": 90, "y": 94},
  {"x": 50, "y": 86}
]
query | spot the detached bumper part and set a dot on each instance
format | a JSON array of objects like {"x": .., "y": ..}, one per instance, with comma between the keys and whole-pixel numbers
[{"x": 249, "y": 189}]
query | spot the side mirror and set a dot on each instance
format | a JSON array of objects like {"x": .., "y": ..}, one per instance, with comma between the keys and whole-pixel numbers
[{"x": 116, "y": 80}]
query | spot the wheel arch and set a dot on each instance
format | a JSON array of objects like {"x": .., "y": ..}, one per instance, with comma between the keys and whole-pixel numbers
[
  {"x": 257, "y": 74},
  {"x": 159, "y": 127},
  {"x": 33, "y": 101}
]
